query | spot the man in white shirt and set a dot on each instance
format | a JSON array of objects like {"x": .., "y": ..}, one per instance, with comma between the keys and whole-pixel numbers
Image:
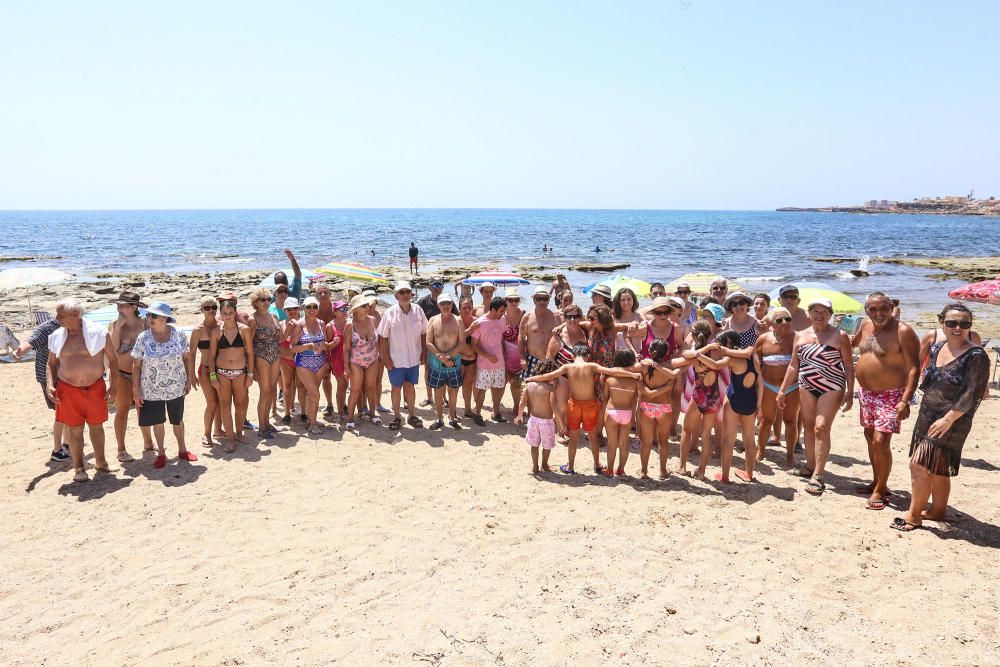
[{"x": 403, "y": 348}]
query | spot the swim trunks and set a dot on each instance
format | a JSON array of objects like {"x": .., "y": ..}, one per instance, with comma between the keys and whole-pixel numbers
[
  {"x": 156, "y": 412},
  {"x": 583, "y": 413},
  {"x": 79, "y": 405},
  {"x": 439, "y": 375},
  {"x": 491, "y": 378},
  {"x": 541, "y": 432},
  {"x": 878, "y": 409},
  {"x": 529, "y": 370},
  {"x": 399, "y": 376}
]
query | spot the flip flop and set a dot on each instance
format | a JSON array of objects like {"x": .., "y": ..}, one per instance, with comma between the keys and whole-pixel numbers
[
  {"x": 815, "y": 487},
  {"x": 499, "y": 419},
  {"x": 567, "y": 470},
  {"x": 125, "y": 457},
  {"x": 875, "y": 504},
  {"x": 903, "y": 526}
]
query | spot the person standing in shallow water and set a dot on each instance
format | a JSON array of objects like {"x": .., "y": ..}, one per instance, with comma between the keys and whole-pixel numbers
[
  {"x": 414, "y": 253},
  {"x": 887, "y": 373},
  {"x": 953, "y": 386}
]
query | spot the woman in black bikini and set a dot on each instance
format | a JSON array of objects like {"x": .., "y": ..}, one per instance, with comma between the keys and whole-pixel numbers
[
  {"x": 124, "y": 332},
  {"x": 467, "y": 308},
  {"x": 230, "y": 367},
  {"x": 201, "y": 340}
]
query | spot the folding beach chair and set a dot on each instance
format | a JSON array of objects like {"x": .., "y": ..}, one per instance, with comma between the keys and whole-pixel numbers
[{"x": 41, "y": 317}]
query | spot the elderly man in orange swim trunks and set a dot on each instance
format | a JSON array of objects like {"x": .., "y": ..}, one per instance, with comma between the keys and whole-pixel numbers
[
  {"x": 584, "y": 408},
  {"x": 75, "y": 382}
]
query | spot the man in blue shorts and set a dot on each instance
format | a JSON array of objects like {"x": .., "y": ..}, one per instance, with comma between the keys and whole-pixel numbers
[{"x": 403, "y": 348}]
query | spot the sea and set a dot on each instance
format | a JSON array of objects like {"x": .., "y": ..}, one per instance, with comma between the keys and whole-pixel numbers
[{"x": 760, "y": 250}]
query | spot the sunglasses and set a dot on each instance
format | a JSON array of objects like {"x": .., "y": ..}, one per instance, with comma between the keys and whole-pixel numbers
[
  {"x": 404, "y": 292},
  {"x": 683, "y": 292},
  {"x": 513, "y": 300},
  {"x": 437, "y": 285},
  {"x": 741, "y": 303},
  {"x": 154, "y": 316},
  {"x": 263, "y": 299},
  {"x": 718, "y": 289},
  {"x": 209, "y": 308},
  {"x": 782, "y": 320},
  {"x": 574, "y": 317},
  {"x": 312, "y": 307},
  {"x": 660, "y": 313},
  {"x": 288, "y": 310},
  {"x": 961, "y": 324},
  {"x": 790, "y": 295},
  {"x": 542, "y": 298},
  {"x": 344, "y": 309}
]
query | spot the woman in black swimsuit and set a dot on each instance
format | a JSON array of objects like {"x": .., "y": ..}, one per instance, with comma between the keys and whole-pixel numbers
[{"x": 466, "y": 309}]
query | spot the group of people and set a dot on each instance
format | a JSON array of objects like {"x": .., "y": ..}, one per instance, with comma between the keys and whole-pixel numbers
[{"x": 734, "y": 365}]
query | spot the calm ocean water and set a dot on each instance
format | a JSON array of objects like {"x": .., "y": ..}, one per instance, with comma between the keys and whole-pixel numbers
[{"x": 760, "y": 249}]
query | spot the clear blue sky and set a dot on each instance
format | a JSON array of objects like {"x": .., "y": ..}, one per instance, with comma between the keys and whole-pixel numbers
[{"x": 690, "y": 104}]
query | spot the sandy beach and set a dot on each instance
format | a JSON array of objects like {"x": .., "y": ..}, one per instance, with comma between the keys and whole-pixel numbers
[{"x": 440, "y": 548}]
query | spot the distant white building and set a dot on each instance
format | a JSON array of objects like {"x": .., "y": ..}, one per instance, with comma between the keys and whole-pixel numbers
[{"x": 880, "y": 203}]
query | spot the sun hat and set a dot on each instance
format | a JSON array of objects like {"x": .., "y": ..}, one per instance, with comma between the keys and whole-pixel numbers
[
  {"x": 735, "y": 296},
  {"x": 368, "y": 292},
  {"x": 402, "y": 285},
  {"x": 339, "y": 304},
  {"x": 820, "y": 301},
  {"x": 291, "y": 302},
  {"x": 602, "y": 289},
  {"x": 785, "y": 289},
  {"x": 511, "y": 293},
  {"x": 351, "y": 287},
  {"x": 718, "y": 312},
  {"x": 486, "y": 285},
  {"x": 676, "y": 302},
  {"x": 540, "y": 290},
  {"x": 226, "y": 295},
  {"x": 445, "y": 298},
  {"x": 358, "y": 301},
  {"x": 660, "y": 302},
  {"x": 127, "y": 298},
  {"x": 310, "y": 301},
  {"x": 159, "y": 308}
]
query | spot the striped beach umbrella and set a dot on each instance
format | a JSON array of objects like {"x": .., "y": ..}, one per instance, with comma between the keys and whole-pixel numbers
[
  {"x": 352, "y": 271},
  {"x": 700, "y": 283},
  {"x": 986, "y": 291},
  {"x": 616, "y": 283},
  {"x": 500, "y": 278},
  {"x": 842, "y": 303}
]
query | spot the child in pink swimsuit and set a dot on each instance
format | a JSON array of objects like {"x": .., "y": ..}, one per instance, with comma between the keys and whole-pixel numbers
[{"x": 619, "y": 406}]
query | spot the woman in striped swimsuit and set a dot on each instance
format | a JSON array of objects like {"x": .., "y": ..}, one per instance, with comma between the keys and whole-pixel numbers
[{"x": 823, "y": 365}]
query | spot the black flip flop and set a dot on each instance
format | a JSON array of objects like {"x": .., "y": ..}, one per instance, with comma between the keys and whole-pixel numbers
[{"x": 903, "y": 526}]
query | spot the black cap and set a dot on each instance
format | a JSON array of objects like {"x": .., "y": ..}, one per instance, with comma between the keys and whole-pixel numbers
[{"x": 787, "y": 288}]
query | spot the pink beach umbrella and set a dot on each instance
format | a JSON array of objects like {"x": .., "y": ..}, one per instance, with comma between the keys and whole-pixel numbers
[{"x": 987, "y": 291}]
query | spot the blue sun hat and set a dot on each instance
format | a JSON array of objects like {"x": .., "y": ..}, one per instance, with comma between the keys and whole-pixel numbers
[
  {"x": 161, "y": 309},
  {"x": 718, "y": 312}
]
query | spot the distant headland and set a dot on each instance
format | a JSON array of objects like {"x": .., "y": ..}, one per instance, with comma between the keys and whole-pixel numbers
[{"x": 954, "y": 205}]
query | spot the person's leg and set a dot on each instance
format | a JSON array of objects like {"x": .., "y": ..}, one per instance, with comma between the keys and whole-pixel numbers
[
  {"x": 310, "y": 402},
  {"x": 158, "y": 437},
  {"x": 675, "y": 407},
  {"x": 768, "y": 416},
  {"x": 468, "y": 386},
  {"x": 646, "y": 427},
  {"x": 826, "y": 410},
  {"x": 561, "y": 395},
  {"x": 595, "y": 446},
  {"x": 328, "y": 393},
  {"x": 439, "y": 404},
  {"x": 226, "y": 410},
  {"x": 357, "y": 389},
  {"x": 397, "y": 396},
  {"x": 211, "y": 406},
  {"x": 123, "y": 401},
  {"x": 692, "y": 425},
  {"x": 341, "y": 394},
  {"x": 611, "y": 428},
  {"x": 707, "y": 424},
  {"x": 480, "y": 399},
  {"x": 790, "y": 419},
  {"x": 287, "y": 387},
  {"x": 453, "y": 404},
  {"x": 940, "y": 491},
  {"x": 370, "y": 393},
  {"x": 881, "y": 452},
  {"x": 808, "y": 416},
  {"x": 57, "y": 435},
  {"x": 179, "y": 437},
  {"x": 514, "y": 380},
  {"x": 496, "y": 393},
  {"x": 241, "y": 400},
  {"x": 574, "y": 438},
  {"x": 428, "y": 391},
  {"x": 264, "y": 382},
  {"x": 97, "y": 442},
  {"x": 662, "y": 427},
  {"x": 920, "y": 493},
  {"x": 749, "y": 449},
  {"x": 410, "y": 394},
  {"x": 75, "y": 436},
  {"x": 730, "y": 421}
]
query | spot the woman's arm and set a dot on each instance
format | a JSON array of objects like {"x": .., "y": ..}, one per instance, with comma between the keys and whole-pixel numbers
[
  {"x": 846, "y": 355},
  {"x": 545, "y": 377},
  {"x": 248, "y": 353}
]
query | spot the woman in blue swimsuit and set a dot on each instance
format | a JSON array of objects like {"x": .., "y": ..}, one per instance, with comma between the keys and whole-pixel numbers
[{"x": 310, "y": 348}]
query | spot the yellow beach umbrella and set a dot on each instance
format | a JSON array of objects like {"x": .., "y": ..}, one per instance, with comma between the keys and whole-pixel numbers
[{"x": 700, "y": 283}]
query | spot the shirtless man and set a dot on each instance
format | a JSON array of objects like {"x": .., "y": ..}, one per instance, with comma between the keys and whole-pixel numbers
[
  {"x": 583, "y": 409},
  {"x": 788, "y": 295},
  {"x": 444, "y": 360},
  {"x": 559, "y": 285},
  {"x": 536, "y": 330},
  {"x": 77, "y": 354},
  {"x": 887, "y": 373}
]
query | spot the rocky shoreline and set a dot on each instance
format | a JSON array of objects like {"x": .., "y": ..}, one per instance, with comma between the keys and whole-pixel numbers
[{"x": 972, "y": 269}]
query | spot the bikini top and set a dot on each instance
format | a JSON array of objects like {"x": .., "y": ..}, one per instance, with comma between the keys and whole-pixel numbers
[
  {"x": 777, "y": 359},
  {"x": 204, "y": 344},
  {"x": 125, "y": 346},
  {"x": 225, "y": 344}
]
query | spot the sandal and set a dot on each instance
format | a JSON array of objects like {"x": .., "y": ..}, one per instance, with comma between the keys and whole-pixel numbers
[
  {"x": 125, "y": 457},
  {"x": 436, "y": 424},
  {"x": 206, "y": 441},
  {"x": 455, "y": 424},
  {"x": 81, "y": 476},
  {"x": 904, "y": 526},
  {"x": 414, "y": 421},
  {"x": 815, "y": 486},
  {"x": 350, "y": 426},
  {"x": 500, "y": 419},
  {"x": 567, "y": 470},
  {"x": 395, "y": 424},
  {"x": 875, "y": 504},
  {"x": 376, "y": 420}
]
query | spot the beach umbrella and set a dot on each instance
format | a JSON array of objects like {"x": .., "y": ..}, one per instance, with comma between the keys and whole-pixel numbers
[
  {"x": 307, "y": 277},
  {"x": 987, "y": 291},
  {"x": 841, "y": 302},
  {"x": 28, "y": 276},
  {"x": 352, "y": 271},
  {"x": 102, "y": 316},
  {"x": 700, "y": 283},
  {"x": 499, "y": 278},
  {"x": 617, "y": 283}
]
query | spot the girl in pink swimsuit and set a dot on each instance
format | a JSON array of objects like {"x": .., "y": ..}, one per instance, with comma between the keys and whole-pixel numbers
[{"x": 619, "y": 406}]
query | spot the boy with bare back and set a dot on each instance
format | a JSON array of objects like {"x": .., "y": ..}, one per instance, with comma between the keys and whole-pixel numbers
[
  {"x": 537, "y": 397},
  {"x": 583, "y": 408}
]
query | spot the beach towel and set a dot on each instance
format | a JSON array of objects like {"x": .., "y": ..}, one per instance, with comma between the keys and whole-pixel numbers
[{"x": 93, "y": 336}]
